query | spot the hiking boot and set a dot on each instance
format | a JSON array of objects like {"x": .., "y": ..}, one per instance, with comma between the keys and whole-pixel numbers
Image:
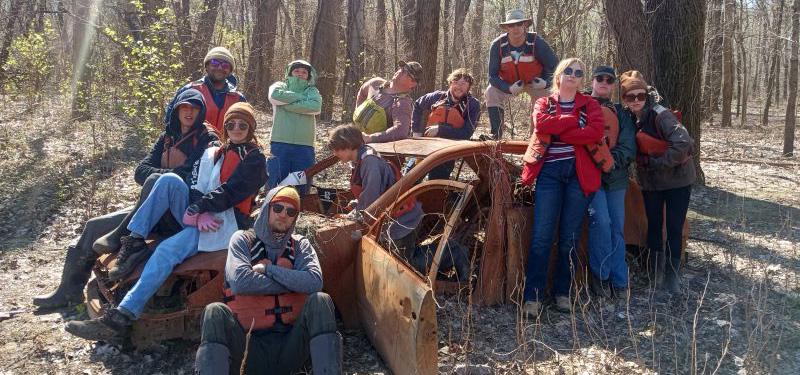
[
  {"x": 112, "y": 327},
  {"x": 619, "y": 293},
  {"x": 599, "y": 287},
  {"x": 672, "y": 276},
  {"x": 532, "y": 309},
  {"x": 563, "y": 304},
  {"x": 77, "y": 268},
  {"x": 133, "y": 251},
  {"x": 655, "y": 267}
]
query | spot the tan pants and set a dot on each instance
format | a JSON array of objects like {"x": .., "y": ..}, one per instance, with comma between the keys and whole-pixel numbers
[{"x": 496, "y": 97}]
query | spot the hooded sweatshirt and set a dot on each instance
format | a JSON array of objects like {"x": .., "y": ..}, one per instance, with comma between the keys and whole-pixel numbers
[
  {"x": 295, "y": 102},
  {"x": 193, "y": 149},
  {"x": 305, "y": 277}
]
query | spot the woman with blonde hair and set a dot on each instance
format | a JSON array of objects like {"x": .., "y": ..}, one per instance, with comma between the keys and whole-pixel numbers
[{"x": 565, "y": 180}]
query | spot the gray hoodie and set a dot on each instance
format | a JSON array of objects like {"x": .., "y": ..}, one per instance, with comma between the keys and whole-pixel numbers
[{"x": 306, "y": 277}]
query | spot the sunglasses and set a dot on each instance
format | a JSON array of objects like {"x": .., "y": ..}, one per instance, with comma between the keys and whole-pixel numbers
[
  {"x": 278, "y": 208},
  {"x": 570, "y": 72},
  {"x": 640, "y": 97},
  {"x": 607, "y": 79},
  {"x": 233, "y": 125},
  {"x": 216, "y": 63}
]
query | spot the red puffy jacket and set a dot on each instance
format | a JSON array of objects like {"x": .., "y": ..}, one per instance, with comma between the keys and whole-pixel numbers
[{"x": 565, "y": 126}]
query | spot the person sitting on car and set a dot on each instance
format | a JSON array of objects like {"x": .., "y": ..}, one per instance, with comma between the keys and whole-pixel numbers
[
  {"x": 226, "y": 180},
  {"x": 371, "y": 176},
  {"x": 273, "y": 284}
]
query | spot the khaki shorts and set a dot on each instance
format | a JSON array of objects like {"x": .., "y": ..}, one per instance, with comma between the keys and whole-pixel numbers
[{"x": 496, "y": 97}]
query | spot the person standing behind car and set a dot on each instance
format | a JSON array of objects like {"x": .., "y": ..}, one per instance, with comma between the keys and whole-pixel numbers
[
  {"x": 607, "y": 209},
  {"x": 665, "y": 171},
  {"x": 519, "y": 61}
]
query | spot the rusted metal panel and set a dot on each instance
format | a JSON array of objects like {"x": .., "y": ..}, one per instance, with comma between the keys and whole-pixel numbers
[
  {"x": 397, "y": 311},
  {"x": 636, "y": 219},
  {"x": 489, "y": 290},
  {"x": 415, "y": 147},
  {"x": 336, "y": 250}
]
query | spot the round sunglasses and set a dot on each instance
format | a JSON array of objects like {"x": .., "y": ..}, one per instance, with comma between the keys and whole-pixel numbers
[
  {"x": 604, "y": 78},
  {"x": 278, "y": 208},
  {"x": 570, "y": 72},
  {"x": 640, "y": 97}
]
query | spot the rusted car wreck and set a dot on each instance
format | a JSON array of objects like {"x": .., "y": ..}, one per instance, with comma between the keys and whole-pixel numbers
[{"x": 483, "y": 207}]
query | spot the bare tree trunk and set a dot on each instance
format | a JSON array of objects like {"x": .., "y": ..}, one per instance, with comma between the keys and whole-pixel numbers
[
  {"x": 324, "y": 49},
  {"x": 8, "y": 37},
  {"x": 714, "y": 60},
  {"x": 427, "y": 43},
  {"x": 477, "y": 55},
  {"x": 262, "y": 50},
  {"x": 201, "y": 39},
  {"x": 354, "y": 64},
  {"x": 745, "y": 64},
  {"x": 380, "y": 38},
  {"x": 541, "y": 16},
  {"x": 727, "y": 61},
  {"x": 772, "y": 69},
  {"x": 457, "y": 53},
  {"x": 679, "y": 79},
  {"x": 408, "y": 12},
  {"x": 791, "y": 106},
  {"x": 446, "y": 63},
  {"x": 299, "y": 29},
  {"x": 634, "y": 48}
]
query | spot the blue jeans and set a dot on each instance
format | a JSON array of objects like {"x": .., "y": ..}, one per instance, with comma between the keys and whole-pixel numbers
[
  {"x": 169, "y": 193},
  {"x": 606, "y": 237},
  {"x": 168, "y": 254},
  {"x": 287, "y": 158},
  {"x": 559, "y": 204}
]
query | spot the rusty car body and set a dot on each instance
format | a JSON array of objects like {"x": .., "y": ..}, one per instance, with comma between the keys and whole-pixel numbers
[{"x": 373, "y": 288}]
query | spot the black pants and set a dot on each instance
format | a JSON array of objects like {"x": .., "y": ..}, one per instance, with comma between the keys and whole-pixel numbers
[
  {"x": 270, "y": 352},
  {"x": 676, "y": 203}
]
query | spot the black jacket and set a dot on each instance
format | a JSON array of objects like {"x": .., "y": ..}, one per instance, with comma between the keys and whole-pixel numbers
[{"x": 204, "y": 136}]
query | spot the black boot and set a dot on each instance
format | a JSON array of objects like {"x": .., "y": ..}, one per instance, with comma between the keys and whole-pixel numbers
[
  {"x": 112, "y": 241},
  {"x": 112, "y": 327},
  {"x": 655, "y": 267},
  {"x": 326, "y": 353},
  {"x": 77, "y": 269},
  {"x": 672, "y": 276},
  {"x": 212, "y": 359},
  {"x": 496, "y": 121},
  {"x": 598, "y": 287},
  {"x": 132, "y": 252}
]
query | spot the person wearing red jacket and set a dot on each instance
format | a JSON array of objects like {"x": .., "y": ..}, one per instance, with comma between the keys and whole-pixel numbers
[{"x": 566, "y": 178}]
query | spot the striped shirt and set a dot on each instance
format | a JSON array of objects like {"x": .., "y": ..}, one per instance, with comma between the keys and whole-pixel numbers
[{"x": 560, "y": 150}]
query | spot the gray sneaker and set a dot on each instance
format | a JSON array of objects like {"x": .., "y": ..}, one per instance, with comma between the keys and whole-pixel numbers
[{"x": 133, "y": 251}]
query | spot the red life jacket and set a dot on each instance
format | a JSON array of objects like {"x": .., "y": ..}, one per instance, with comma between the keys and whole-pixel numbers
[
  {"x": 650, "y": 140},
  {"x": 356, "y": 188},
  {"x": 444, "y": 113},
  {"x": 263, "y": 311},
  {"x": 526, "y": 68},
  {"x": 229, "y": 164},
  {"x": 214, "y": 114}
]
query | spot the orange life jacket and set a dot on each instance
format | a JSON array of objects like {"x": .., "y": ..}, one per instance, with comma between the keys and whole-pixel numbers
[
  {"x": 526, "y": 68},
  {"x": 650, "y": 141},
  {"x": 356, "y": 188},
  {"x": 444, "y": 113},
  {"x": 229, "y": 164},
  {"x": 263, "y": 311},
  {"x": 214, "y": 114}
]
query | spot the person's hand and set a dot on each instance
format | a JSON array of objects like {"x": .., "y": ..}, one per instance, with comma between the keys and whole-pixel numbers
[
  {"x": 516, "y": 88},
  {"x": 261, "y": 266},
  {"x": 207, "y": 222},
  {"x": 538, "y": 83},
  {"x": 190, "y": 216},
  {"x": 432, "y": 131}
]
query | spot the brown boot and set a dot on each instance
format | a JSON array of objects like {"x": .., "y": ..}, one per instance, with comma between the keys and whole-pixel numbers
[
  {"x": 133, "y": 251},
  {"x": 112, "y": 327}
]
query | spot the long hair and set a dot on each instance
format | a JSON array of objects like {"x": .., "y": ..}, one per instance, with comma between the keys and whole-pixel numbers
[{"x": 560, "y": 70}]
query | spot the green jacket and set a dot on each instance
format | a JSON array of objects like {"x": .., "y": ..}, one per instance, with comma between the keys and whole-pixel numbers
[
  {"x": 623, "y": 153},
  {"x": 295, "y": 102}
]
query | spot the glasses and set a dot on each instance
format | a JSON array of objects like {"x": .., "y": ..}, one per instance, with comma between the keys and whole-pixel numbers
[
  {"x": 606, "y": 79},
  {"x": 230, "y": 125},
  {"x": 570, "y": 72},
  {"x": 278, "y": 208},
  {"x": 216, "y": 63},
  {"x": 640, "y": 97}
]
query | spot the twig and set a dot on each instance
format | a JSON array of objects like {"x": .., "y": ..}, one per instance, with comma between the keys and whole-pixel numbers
[{"x": 243, "y": 366}]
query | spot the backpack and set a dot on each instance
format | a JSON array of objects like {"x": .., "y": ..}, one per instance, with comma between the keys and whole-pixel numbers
[{"x": 370, "y": 117}]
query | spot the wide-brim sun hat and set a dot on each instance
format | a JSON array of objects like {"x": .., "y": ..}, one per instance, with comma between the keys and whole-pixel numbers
[{"x": 516, "y": 16}]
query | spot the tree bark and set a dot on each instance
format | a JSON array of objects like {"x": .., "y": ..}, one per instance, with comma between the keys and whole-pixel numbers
[
  {"x": 8, "y": 37},
  {"x": 477, "y": 54},
  {"x": 427, "y": 43},
  {"x": 457, "y": 53},
  {"x": 354, "y": 64},
  {"x": 771, "y": 72},
  {"x": 380, "y": 38},
  {"x": 628, "y": 24},
  {"x": 729, "y": 15},
  {"x": 447, "y": 65},
  {"x": 791, "y": 105},
  {"x": 408, "y": 12},
  {"x": 262, "y": 50},
  {"x": 83, "y": 38},
  {"x": 324, "y": 49},
  {"x": 714, "y": 60},
  {"x": 299, "y": 30},
  {"x": 201, "y": 39},
  {"x": 679, "y": 60}
]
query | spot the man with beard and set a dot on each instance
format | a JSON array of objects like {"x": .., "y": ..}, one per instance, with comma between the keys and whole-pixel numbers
[
  {"x": 218, "y": 86},
  {"x": 272, "y": 286}
]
